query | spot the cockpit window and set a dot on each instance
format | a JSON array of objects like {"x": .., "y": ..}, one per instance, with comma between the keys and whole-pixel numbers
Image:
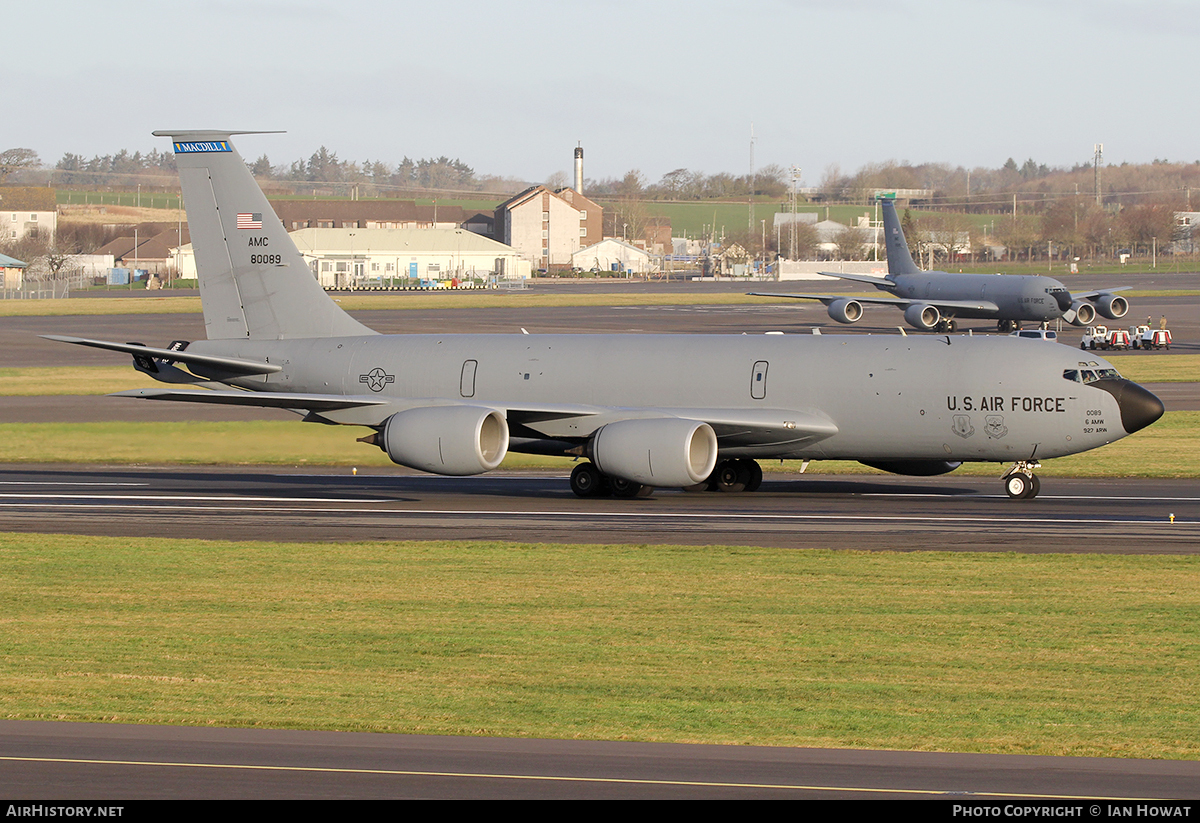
[{"x": 1090, "y": 373}]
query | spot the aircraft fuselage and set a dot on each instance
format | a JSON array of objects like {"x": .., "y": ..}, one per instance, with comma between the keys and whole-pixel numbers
[
  {"x": 950, "y": 398},
  {"x": 1026, "y": 298}
]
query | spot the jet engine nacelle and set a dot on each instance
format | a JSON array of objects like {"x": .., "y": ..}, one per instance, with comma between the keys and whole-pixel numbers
[
  {"x": 1112, "y": 306},
  {"x": 1081, "y": 313},
  {"x": 456, "y": 440},
  {"x": 922, "y": 317},
  {"x": 660, "y": 451},
  {"x": 846, "y": 311}
]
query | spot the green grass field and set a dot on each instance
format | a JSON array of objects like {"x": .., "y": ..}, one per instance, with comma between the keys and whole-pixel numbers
[
  {"x": 70, "y": 380},
  {"x": 1030, "y": 654},
  {"x": 145, "y": 200}
]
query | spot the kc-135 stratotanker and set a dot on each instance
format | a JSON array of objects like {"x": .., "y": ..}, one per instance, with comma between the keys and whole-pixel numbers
[
  {"x": 933, "y": 300},
  {"x": 641, "y": 411}
]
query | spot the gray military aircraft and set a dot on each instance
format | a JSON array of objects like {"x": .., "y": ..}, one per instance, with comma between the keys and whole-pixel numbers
[
  {"x": 932, "y": 300},
  {"x": 691, "y": 411}
]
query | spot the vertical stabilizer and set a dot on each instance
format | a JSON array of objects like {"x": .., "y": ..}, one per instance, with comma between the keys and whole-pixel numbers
[
  {"x": 253, "y": 280},
  {"x": 898, "y": 257}
]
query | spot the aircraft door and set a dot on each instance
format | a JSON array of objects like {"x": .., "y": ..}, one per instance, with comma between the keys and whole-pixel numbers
[
  {"x": 758, "y": 381},
  {"x": 466, "y": 381}
]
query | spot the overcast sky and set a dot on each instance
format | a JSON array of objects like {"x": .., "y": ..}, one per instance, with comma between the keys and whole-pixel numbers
[{"x": 511, "y": 87}]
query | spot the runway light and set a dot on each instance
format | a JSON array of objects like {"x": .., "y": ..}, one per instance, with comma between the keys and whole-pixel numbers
[
  {"x": 1172, "y": 517},
  {"x": 354, "y": 471}
]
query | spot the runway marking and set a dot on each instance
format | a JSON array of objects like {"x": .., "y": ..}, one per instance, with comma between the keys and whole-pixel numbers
[
  {"x": 157, "y": 498},
  {"x": 395, "y": 489},
  {"x": 560, "y": 778},
  {"x": 62, "y": 483},
  {"x": 1005, "y": 520}
]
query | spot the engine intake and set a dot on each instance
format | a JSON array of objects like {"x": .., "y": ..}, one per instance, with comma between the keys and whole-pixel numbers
[
  {"x": 923, "y": 317},
  {"x": 846, "y": 311},
  {"x": 454, "y": 440},
  {"x": 1112, "y": 306},
  {"x": 1081, "y": 313},
  {"x": 661, "y": 451}
]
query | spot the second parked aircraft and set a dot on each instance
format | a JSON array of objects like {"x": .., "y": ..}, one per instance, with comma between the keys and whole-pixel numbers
[{"x": 932, "y": 300}]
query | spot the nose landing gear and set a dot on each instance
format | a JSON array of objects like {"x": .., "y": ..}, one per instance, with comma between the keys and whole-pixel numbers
[{"x": 1020, "y": 483}]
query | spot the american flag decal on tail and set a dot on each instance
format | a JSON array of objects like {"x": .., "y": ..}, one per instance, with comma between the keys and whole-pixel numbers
[{"x": 246, "y": 220}]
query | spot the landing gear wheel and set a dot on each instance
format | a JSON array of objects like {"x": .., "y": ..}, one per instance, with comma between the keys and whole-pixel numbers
[
  {"x": 1017, "y": 485},
  {"x": 953, "y": 325},
  {"x": 1021, "y": 486},
  {"x": 587, "y": 481},
  {"x": 754, "y": 474},
  {"x": 730, "y": 476},
  {"x": 628, "y": 489}
]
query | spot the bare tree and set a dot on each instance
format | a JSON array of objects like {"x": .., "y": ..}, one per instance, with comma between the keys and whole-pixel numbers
[
  {"x": 851, "y": 242},
  {"x": 12, "y": 160}
]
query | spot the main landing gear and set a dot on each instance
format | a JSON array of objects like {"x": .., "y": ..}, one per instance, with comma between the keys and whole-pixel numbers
[
  {"x": 729, "y": 476},
  {"x": 589, "y": 481},
  {"x": 946, "y": 324},
  {"x": 1020, "y": 483},
  {"x": 732, "y": 476}
]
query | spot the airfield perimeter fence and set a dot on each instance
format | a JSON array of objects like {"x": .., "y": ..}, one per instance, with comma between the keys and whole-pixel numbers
[
  {"x": 38, "y": 288},
  {"x": 37, "y": 291}
]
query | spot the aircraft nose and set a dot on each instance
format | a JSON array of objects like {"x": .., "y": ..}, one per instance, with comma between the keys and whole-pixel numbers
[
  {"x": 1139, "y": 407},
  {"x": 1063, "y": 298}
]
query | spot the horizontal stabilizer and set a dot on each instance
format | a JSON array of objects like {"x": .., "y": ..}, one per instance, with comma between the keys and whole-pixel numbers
[
  {"x": 881, "y": 282},
  {"x": 229, "y": 364}
]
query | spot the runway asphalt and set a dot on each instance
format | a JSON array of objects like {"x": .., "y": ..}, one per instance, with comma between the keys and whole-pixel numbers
[
  {"x": 45, "y": 761},
  {"x": 789, "y": 511}
]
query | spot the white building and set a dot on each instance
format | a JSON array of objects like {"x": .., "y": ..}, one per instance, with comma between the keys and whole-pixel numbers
[
  {"x": 361, "y": 258},
  {"x": 27, "y": 211},
  {"x": 356, "y": 258},
  {"x": 613, "y": 255},
  {"x": 541, "y": 226}
]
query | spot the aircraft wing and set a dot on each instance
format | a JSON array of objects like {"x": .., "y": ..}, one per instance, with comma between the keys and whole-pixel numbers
[
  {"x": 898, "y": 302},
  {"x": 748, "y": 430},
  {"x": 1088, "y": 295},
  {"x": 270, "y": 400},
  {"x": 744, "y": 429},
  {"x": 147, "y": 354}
]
